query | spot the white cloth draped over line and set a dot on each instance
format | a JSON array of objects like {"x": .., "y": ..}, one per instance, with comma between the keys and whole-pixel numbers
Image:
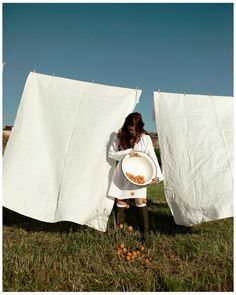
[
  {"x": 195, "y": 135},
  {"x": 56, "y": 164}
]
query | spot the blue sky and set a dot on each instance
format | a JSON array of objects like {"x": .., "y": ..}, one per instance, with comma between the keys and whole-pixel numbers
[{"x": 174, "y": 47}]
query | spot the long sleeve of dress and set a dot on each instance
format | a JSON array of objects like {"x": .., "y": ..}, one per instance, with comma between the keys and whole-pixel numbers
[
  {"x": 114, "y": 153},
  {"x": 151, "y": 153}
]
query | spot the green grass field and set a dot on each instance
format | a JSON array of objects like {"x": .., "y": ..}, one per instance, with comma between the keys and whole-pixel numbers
[{"x": 64, "y": 256}]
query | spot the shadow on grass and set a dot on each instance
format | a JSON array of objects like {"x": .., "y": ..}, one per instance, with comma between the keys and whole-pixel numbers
[
  {"x": 160, "y": 220},
  {"x": 16, "y": 220}
]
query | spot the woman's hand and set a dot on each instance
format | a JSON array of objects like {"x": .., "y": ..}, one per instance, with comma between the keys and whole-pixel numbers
[
  {"x": 154, "y": 180},
  {"x": 131, "y": 153}
]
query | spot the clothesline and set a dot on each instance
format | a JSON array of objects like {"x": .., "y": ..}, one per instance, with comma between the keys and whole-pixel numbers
[{"x": 137, "y": 88}]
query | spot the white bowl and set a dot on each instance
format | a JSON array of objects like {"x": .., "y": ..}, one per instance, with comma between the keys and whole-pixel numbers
[{"x": 141, "y": 164}]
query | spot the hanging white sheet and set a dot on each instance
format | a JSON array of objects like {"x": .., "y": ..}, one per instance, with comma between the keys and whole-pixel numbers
[
  {"x": 55, "y": 165},
  {"x": 196, "y": 143}
]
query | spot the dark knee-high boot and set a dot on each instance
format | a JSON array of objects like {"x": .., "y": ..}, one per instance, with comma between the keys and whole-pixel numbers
[
  {"x": 143, "y": 222},
  {"x": 120, "y": 216}
]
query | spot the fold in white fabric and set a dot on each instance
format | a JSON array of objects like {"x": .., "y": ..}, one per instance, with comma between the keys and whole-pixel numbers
[
  {"x": 196, "y": 143},
  {"x": 56, "y": 164}
]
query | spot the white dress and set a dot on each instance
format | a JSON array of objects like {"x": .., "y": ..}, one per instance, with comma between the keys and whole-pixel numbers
[{"x": 120, "y": 187}]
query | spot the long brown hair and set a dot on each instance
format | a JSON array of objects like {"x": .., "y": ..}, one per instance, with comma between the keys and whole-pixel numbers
[{"x": 126, "y": 140}]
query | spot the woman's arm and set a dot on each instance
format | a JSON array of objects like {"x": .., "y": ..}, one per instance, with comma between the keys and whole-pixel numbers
[{"x": 114, "y": 153}]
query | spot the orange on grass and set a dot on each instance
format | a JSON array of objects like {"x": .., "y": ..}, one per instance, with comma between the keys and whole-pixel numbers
[
  {"x": 125, "y": 250},
  {"x": 141, "y": 248},
  {"x": 172, "y": 256},
  {"x": 132, "y": 257},
  {"x": 134, "y": 253},
  {"x": 130, "y": 228},
  {"x": 142, "y": 255},
  {"x": 122, "y": 245},
  {"x": 121, "y": 226},
  {"x": 138, "y": 253}
]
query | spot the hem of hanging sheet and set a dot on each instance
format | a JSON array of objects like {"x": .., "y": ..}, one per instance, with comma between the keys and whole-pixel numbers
[
  {"x": 203, "y": 220},
  {"x": 29, "y": 214},
  {"x": 73, "y": 211},
  {"x": 99, "y": 223},
  {"x": 35, "y": 208},
  {"x": 94, "y": 224}
]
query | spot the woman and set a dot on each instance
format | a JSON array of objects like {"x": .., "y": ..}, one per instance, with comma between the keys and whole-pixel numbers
[{"x": 132, "y": 137}]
